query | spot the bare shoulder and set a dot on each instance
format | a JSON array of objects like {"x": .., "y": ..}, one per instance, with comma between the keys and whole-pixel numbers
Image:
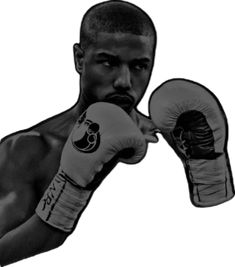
[
  {"x": 20, "y": 156},
  {"x": 23, "y": 146},
  {"x": 32, "y": 156},
  {"x": 37, "y": 141}
]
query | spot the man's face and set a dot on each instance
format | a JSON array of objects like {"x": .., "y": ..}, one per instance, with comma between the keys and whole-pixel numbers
[{"x": 117, "y": 69}]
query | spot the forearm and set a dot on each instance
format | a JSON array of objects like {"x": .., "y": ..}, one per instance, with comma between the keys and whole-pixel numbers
[{"x": 31, "y": 238}]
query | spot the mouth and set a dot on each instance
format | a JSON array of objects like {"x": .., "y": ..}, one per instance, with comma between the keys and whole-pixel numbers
[{"x": 124, "y": 101}]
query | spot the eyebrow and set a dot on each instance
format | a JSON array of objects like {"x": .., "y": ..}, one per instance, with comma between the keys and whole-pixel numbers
[
  {"x": 107, "y": 55},
  {"x": 104, "y": 54},
  {"x": 144, "y": 60}
]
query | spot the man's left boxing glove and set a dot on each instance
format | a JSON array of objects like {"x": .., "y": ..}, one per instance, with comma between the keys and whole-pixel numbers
[
  {"x": 193, "y": 122},
  {"x": 102, "y": 131}
]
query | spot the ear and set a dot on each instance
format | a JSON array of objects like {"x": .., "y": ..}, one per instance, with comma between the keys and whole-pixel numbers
[{"x": 78, "y": 54}]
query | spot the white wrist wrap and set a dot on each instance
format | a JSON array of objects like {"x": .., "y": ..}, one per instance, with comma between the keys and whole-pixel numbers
[{"x": 62, "y": 203}]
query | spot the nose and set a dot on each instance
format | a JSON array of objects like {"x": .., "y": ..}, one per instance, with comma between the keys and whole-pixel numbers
[{"x": 123, "y": 79}]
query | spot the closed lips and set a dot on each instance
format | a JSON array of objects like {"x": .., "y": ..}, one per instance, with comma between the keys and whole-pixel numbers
[{"x": 120, "y": 99}]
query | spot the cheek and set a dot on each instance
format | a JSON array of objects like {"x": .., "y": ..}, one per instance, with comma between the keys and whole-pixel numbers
[
  {"x": 140, "y": 83},
  {"x": 94, "y": 76},
  {"x": 95, "y": 83}
]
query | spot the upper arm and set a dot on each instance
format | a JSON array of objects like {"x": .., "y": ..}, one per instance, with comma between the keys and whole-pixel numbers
[{"x": 19, "y": 156}]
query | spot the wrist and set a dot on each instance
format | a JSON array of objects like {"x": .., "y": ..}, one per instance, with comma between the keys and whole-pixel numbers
[
  {"x": 211, "y": 181},
  {"x": 63, "y": 202}
]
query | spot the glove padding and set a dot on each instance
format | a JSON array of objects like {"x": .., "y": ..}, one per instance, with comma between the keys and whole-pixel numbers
[
  {"x": 101, "y": 133},
  {"x": 193, "y": 122}
]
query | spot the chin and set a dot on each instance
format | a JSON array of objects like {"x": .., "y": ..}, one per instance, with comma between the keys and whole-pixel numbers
[{"x": 125, "y": 107}]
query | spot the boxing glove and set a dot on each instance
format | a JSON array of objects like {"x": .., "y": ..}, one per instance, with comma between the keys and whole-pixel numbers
[
  {"x": 193, "y": 122},
  {"x": 101, "y": 133}
]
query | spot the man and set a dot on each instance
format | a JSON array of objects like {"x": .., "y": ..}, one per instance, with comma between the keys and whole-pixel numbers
[{"x": 114, "y": 59}]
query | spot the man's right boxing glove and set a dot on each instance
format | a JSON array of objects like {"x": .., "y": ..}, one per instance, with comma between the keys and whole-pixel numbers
[
  {"x": 102, "y": 132},
  {"x": 193, "y": 122}
]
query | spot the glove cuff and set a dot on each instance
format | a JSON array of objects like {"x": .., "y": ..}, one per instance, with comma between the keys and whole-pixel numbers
[
  {"x": 210, "y": 181},
  {"x": 62, "y": 203}
]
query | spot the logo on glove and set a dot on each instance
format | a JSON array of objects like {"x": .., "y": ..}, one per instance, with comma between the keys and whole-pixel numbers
[{"x": 87, "y": 137}]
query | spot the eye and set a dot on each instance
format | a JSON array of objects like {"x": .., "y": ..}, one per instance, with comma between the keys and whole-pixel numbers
[
  {"x": 109, "y": 63},
  {"x": 139, "y": 66}
]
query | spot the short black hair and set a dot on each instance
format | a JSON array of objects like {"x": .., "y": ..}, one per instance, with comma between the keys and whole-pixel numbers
[{"x": 115, "y": 16}]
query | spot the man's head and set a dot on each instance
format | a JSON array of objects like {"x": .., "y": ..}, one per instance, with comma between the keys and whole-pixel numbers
[{"x": 115, "y": 55}]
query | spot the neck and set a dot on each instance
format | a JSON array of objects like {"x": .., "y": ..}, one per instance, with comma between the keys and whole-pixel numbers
[{"x": 82, "y": 104}]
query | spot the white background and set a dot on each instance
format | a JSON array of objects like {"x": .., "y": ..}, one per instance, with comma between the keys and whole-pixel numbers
[{"x": 141, "y": 215}]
